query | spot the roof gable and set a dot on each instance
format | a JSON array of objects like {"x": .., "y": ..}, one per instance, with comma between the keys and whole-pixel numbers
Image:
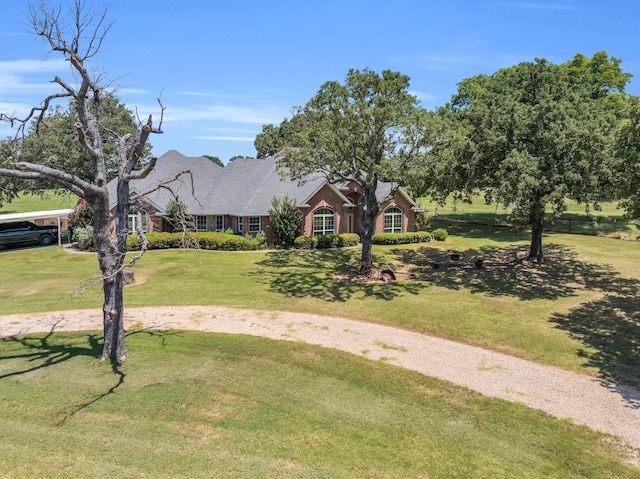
[
  {"x": 190, "y": 179},
  {"x": 244, "y": 187}
]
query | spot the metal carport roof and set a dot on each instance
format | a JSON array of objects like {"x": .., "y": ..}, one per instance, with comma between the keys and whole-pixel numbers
[{"x": 38, "y": 215}]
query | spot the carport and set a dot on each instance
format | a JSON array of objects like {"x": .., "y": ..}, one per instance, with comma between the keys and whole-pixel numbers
[{"x": 58, "y": 215}]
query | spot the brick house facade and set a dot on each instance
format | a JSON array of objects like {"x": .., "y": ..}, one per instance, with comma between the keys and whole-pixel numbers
[{"x": 238, "y": 197}]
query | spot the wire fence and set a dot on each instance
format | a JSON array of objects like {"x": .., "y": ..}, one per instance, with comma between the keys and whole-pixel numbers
[{"x": 573, "y": 224}]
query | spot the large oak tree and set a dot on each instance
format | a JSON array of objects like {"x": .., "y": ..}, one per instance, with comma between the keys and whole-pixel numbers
[
  {"x": 78, "y": 38},
  {"x": 367, "y": 129},
  {"x": 627, "y": 162},
  {"x": 530, "y": 137}
]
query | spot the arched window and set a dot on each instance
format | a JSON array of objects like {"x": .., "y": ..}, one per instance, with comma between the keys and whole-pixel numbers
[
  {"x": 323, "y": 222},
  {"x": 393, "y": 220}
]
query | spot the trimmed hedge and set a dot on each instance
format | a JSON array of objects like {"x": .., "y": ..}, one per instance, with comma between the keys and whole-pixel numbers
[
  {"x": 402, "y": 238},
  {"x": 326, "y": 241},
  {"x": 440, "y": 234},
  {"x": 206, "y": 240}
]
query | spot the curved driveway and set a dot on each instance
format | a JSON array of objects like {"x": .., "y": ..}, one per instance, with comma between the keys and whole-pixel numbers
[{"x": 600, "y": 405}]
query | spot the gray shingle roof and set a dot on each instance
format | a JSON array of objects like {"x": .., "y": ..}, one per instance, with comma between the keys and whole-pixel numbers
[
  {"x": 190, "y": 187},
  {"x": 244, "y": 187},
  {"x": 247, "y": 186}
]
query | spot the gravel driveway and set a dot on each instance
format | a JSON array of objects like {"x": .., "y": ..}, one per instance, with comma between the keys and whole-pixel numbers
[{"x": 600, "y": 405}]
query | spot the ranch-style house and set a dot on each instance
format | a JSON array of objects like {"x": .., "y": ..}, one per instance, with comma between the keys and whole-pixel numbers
[{"x": 239, "y": 197}]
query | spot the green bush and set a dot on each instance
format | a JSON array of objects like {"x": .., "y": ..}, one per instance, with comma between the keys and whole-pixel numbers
[
  {"x": 401, "y": 238},
  {"x": 306, "y": 242},
  {"x": 326, "y": 241},
  {"x": 225, "y": 241},
  {"x": 422, "y": 221},
  {"x": 205, "y": 240},
  {"x": 159, "y": 240},
  {"x": 84, "y": 238},
  {"x": 285, "y": 220},
  {"x": 349, "y": 239},
  {"x": 134, "y": 243},
  {"x": 254, "y": 242},
  {"x": 440, "y": 234}
]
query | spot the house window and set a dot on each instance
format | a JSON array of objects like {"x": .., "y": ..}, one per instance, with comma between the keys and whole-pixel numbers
[
  {"x": 134, "y": 220},
  {"x": 254, "y": 224},
  {"x": 323, "y": 221},
  {"x": 219, "y": 223},
  {"x": 201, "y": 223},
  {"x": 393, "y": 220},
  {"x": 239, "y": 224}
]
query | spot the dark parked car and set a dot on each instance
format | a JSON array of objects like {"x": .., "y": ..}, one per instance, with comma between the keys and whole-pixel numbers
[{"x": 25, "y": 232}]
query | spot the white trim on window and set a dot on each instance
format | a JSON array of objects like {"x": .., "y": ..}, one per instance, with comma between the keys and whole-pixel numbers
[
  {"x": 323, "y": 222},
  {"x": 132, "y": 222},
  {"x": 219, "y": 223},
  {"x": 254, "y": 224},
  {"x": 393, "y": 220},
  {"x": 201, "y": 223}
]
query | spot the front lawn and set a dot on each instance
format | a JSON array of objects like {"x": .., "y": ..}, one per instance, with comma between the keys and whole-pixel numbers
[
  {"x": 579, "y": 311},
  {"x": 199, "y": 405}
]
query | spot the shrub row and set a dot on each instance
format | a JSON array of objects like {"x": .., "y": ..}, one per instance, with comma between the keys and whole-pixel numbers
[
  {"x": 203, "y": 240},
  {"x": 439, "y": 234},
  {"x": 402, "y": 238},
  {"x": 326, "y": 241}
]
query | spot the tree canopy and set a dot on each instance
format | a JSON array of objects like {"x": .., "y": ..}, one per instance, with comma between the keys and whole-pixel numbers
[
  {"x": 274, "y": 139},
  {"x": 52, "y": 140},
  {"x": 530, "y": 136},
  {"x": 215, "y": 159},
  {"x": 627, "y": 159},
  {"x": 367, "y": 129}
]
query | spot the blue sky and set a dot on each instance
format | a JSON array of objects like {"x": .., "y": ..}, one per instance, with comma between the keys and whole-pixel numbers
[{"x": 225, "y": 68}]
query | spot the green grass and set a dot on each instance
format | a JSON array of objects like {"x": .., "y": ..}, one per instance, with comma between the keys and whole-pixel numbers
[
  {"x": 222, "y": 406},
  {"x": 609, "y": 221},
  {"x": 579, "y": 311},
  {"x": 49, "y": 201}
]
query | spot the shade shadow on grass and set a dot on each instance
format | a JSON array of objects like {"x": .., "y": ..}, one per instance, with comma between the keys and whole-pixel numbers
[
  {"x": 45, "y": 351},
  {"x": 324, "y": 275},
  {"x": 505, "y": 273},
  {"x": 609, "y": 328},
  {"x": 497, "y": 233}
]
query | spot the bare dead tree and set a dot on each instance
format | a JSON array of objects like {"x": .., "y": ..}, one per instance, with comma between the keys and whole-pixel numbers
[{"x": 78, "y": 38}]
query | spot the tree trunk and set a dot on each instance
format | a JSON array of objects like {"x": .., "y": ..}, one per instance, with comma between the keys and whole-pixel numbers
[
  {"x": 537, "y": 228},
  {"x": 111, "y": 254},
  {"x": 367, "y": 244},
  {"x": 114, "y": 346},
  {"x": 367, "y": 223}
]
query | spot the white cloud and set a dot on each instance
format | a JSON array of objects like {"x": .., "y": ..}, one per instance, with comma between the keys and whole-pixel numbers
[
  {"x": 423, "y": 96},
  {"x": 225, "y": 113},
  {"x": 224, "y": 138},
  {"x": 29, "y": 77},
  {"x": 32, "y": 66},
  {"x": 130, "y": 91}
]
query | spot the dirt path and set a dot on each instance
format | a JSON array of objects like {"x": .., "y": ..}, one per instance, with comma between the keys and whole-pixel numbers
[{"x": 603, "y": 406}]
